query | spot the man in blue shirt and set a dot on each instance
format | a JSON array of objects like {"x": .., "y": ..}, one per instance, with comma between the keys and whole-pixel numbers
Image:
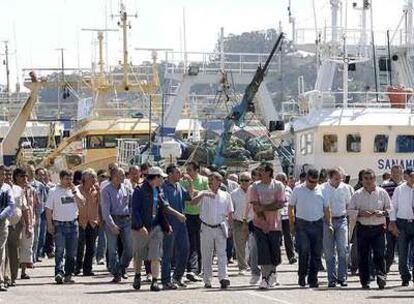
[
  {"x": 149, "y": 223},
  {"x": 178, "y": 240}
]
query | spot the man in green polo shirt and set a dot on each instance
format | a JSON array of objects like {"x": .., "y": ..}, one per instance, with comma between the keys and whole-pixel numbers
[{"x": 192, "y": 213}]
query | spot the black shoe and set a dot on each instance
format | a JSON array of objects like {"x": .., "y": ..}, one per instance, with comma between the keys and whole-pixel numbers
[
  {"x": 137, "y": 281},
  {"x": 10, "y": 284},
  {"x": 88, "y": 274},
  {"x": 302, "y": 281},
  {"x": 405, "y": 283},
  {"x": 292, "y": 260},
  {"x": 314, "y": 285},
  {"x": 38, "y": 260},
  {"x": 124, "y": 274},
  {"x": 193, "y": 277},
  {"x": 59, "y": 279},
  {"x": 24, "y": 276},
  {"x": 207, "y": 285},
  {"x": 155, "y": 286},
  {"x": 169, "y": 286},
  {"x": 68, "y": 280},
  {"x": 381, "y": 284},
  {"x": 343, "y": 283},
  {"x": 224, "y": 283},
  {"x": 117, "y": 278},
  {"x": 331, "y": 284},
  {"x": 365, "y": 286},
  {"x": 51, "y": 255},
  {"x": 179, "y": 282},
  {"x": 76, "y": 272}
]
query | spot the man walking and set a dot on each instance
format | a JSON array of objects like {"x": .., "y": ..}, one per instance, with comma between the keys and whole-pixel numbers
[
  {"x": 115, "y": 201},
  {"x": 7, "y": 210},
  {"x": 338, "y": 195},
  {"x": 175, "y": 244},
  {"x": 402, "y": 224},
  {"x": 89, "y": 220},
  {"x": 287, "y": 235},
  {"x": 149, "y": 223},
  {"x": 192, "y": 213},
  {"x": 215, "y": 209},
  {"x": 372, "y": 204},
  {"x": 389, "y": 185},
  {"x": 62, "y": 222},
  {"x": 307, "y": 207},
  {"x": 239, "y": 199},
  {"x": 267, "y": 197}
]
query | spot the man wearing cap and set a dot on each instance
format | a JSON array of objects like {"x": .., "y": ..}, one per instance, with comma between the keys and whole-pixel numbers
[
  {"x": 115, "y": 201},
  {"x": 402, "y": 224},
  {"x": 216, "y": 209},
  {"x": 149, "y": 223},
  {"x": 7, "y": 210}
]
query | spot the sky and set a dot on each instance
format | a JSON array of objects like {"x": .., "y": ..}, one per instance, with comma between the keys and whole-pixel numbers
[{"x": 35, "y": 29}]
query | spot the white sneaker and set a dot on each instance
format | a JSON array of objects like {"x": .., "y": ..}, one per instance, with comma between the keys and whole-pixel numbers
[
  {"x": 273, "y": 280},
  {"x": 264, "y": 284},
  {"x": 254, "y": 280}
]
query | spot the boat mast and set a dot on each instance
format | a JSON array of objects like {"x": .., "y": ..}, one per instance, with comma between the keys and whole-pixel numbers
[
  {"x": 6, "y": 63},
  {"x": 409, "y": 23},
  {"x": 125, "y": 25}
]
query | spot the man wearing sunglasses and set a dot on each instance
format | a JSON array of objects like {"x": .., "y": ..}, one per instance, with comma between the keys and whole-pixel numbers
[
  {"x": 307, "y": 207},
  {"x": 372, "y": 204}
]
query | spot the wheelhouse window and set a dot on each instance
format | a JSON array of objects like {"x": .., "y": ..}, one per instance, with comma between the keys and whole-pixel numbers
[
  {"x": 404, "y": 144},
  {"x": 381, "y": 143},
  {"x": 306, "y": 144},
  {"x": 330, "y": 143},
  {"x": 353, "y": 143},
  {"x": 110, "y": 141},
  {"x": 95, "y": 142}
]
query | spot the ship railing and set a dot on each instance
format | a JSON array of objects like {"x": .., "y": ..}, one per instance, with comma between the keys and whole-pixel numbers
[
  {"x": 354, "y": 36},
  {"x": 11, "y": 98},
  {"x": 315, "y": 100},
  {"x": 210, "y": 63}
]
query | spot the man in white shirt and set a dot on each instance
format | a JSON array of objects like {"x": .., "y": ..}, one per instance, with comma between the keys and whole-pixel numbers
[
  {"x": 402, "y": 224},
  {"x": 62, "y": 222},
  {"x": 239, "y": 199},
  {"x": 338, "y": 195},
  {"x": 216, "y": 209}
]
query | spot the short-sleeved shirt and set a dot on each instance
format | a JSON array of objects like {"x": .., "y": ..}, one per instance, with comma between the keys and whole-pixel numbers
[
  {"x": 309, "y": 204},
  {"x": 214, "y": 211},
  {"x": 62, "y": 203},
  {"x": 378, "y": 199},
  {"x": 199, "y": 184},
  {"x": 239, "y": 199},
  {"x": 402, "y": 206},
  {"x": 338, "y": 198},
  {"x": 267, "y": 194}
]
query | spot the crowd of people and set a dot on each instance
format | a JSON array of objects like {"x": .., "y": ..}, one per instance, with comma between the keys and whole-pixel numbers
[{"x": 173, "y": 225}]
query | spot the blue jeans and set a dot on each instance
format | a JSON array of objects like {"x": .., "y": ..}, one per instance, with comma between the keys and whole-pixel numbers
[
  {"x": 119, "y": 265},
  {"x": 175, "y": 245},
  {"x": 41, "y": 235},
  {"x": 404, "y": 239},
  {"x": 101, "y": 244},
  {"x": 333, "y": 244},
  {"x": 253, "y": 253},
  {"x": 309, "y": 239},
  {"x": 66, "y": 243}
]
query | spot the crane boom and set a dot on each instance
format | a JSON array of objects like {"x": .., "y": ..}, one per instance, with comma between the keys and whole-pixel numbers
[{"x": 238, "y": 112}]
